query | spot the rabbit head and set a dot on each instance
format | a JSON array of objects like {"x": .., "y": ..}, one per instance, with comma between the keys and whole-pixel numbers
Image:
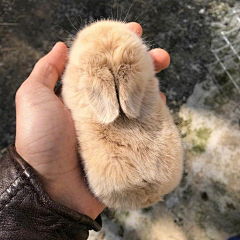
[{"x": 120, "y": 69}]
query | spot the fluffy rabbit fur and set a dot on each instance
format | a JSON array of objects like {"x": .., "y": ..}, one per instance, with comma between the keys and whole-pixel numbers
[{"x": 130, "y": 147}]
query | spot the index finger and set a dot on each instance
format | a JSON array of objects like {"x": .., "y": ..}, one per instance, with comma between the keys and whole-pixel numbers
[
  {"x": 160, "y": 57},
  {"x": 135, "y": 27}
]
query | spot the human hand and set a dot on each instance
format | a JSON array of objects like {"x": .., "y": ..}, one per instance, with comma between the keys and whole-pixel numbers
[{"x": 45, "y": 134}]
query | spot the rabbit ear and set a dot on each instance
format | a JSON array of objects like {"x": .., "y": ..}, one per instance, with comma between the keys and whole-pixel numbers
[
  {"x": 101, "y": 94},
  {"x": 131, "y": 87}
]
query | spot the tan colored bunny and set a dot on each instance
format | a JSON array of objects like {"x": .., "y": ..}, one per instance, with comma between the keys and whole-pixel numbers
[{"x": 130, "y": 147}]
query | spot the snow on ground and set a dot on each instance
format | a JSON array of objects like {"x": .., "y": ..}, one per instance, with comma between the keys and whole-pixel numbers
[{"x": 206, "y": 204}]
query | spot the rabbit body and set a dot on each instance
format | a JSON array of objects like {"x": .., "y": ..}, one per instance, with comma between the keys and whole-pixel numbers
[{"x": 130, "y": 147}]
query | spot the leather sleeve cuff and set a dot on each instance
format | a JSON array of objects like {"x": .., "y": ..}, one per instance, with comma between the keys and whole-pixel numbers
[{"x": 27, "y": 212}]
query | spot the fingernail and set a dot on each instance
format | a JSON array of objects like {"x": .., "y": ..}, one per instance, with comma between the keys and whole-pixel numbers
[{"x": 55, "y": 45}]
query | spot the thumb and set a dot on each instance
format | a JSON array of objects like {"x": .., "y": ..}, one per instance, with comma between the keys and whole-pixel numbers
[{"x": 49, "y": 68}]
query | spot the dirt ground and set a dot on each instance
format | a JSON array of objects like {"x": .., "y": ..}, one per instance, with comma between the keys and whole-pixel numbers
[{"x": 29, "y": 28}]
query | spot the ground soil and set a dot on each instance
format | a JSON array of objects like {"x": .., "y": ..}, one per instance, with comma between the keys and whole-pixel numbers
[{"x": 29, "y": 28}]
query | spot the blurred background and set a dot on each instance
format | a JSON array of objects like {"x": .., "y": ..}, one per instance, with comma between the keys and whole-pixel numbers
[{"x": 201, "y": 85}]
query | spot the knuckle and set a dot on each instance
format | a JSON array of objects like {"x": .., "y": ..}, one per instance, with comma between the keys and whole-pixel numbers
[
  {"x": 23, "y": 91},
  {"x": 48, "y": 71},
  {"x": 19, "y": 94},
  {"x": 46, "y": 67}
]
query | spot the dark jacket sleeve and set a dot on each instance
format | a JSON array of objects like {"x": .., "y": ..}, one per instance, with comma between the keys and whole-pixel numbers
[{"x": 27, "y": 212}]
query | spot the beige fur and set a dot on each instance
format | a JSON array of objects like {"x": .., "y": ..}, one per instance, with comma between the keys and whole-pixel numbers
[{"x": 130, "y": 147}]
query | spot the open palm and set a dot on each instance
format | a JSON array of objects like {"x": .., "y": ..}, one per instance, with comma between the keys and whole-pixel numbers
[{"x": 45, "y": 135}]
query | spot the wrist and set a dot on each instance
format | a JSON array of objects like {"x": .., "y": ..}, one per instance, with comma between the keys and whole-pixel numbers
[
  {"x": 66, "y": 186},
  {"x": 71, "y": 191}
]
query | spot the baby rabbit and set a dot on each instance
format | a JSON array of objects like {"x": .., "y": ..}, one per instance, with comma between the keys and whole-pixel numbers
[{"x": 130, "y": 147}]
